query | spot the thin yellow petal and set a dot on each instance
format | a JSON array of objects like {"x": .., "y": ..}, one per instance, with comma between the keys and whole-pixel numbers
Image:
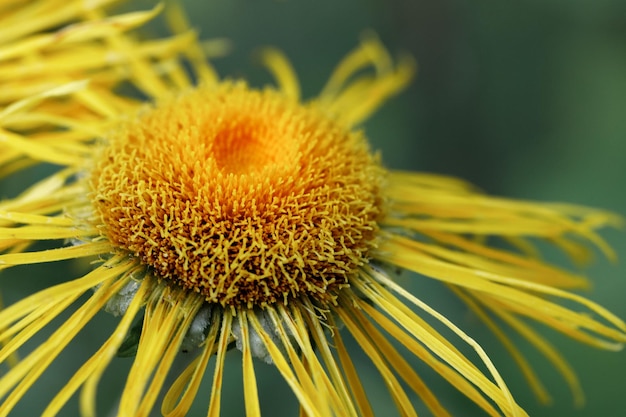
[
  {"x": 95, "y": 366},
  {"x": 190, "y": 378},
  {"x": 310, "y": 381},
  {"x": 13, "y": 358},
  {"x": 142, "y": 73},
  {"x": 360, "y": 105},
  {"x": 508, "y": 263},
  {"x": 169, "y": 333},
  {"x": 401, "y": 366},
  {"x": 22, "y": 105},
  {"x": 283, "y": 367},
  {"x": 179, "y": 24},
  {"x": 79, "y": 32},
  {"x": 395, "y": 388},
  {"x": 52, "y": 255},
  {"x": 407, "y": 253},
  {"x": 164, "y": 326},
  {"x": 21, "y": 332},
  {"x": 505, "y": 399},
  {"x": 448, "y": 372},
  {"x": 333, "y": 396},
  {"x": 42, "y": 16},
  {"x": 354, "y": 380},
  {"x": 116, "y": 266},
  {"x": 45, "y": 232},
  {"x": 44, "y": 193},
  {"x": 222, "y": 347},
  {"x": 369, "y": 52},
  {"x": 547, "y": 350},
  {"x": 28, "y": 371},
  {"x": 323, "y": 345},
  {"x": 38, "y": 151},
  {"x": 250, "y": 392},
  {"x": 531, "y": 377},
  {"x": 27, "y": 218},
  {"x": 283, "y": 72}
]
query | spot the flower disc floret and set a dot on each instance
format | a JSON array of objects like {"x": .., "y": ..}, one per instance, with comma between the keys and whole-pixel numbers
[{"x": 244, "y": 196}]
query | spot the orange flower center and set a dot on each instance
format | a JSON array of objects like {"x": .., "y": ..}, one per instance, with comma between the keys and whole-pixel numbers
[{"x": 243, "y": 196}]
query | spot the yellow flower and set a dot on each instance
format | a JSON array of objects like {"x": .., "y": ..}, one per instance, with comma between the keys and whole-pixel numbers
[{"x": 223, "y": 216}]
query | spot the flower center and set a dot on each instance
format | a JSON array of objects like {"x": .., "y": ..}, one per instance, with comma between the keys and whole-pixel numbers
[
  {"x": 243, "y": 196},
  {"x": 248, "y": 146}
]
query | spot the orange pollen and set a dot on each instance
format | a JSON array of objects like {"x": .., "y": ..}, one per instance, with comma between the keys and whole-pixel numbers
[{"x": 246, "y": 197}]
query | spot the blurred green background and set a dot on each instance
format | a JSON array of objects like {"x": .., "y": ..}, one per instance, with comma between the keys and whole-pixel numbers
[{"x": 525, "y": 99}]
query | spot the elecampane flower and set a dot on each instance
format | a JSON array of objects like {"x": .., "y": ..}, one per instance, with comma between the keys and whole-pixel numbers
[{"x": 223, "y": 216}]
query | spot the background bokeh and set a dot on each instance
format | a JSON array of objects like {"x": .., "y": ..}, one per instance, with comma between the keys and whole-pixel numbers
[{"x": 525, "y": 99}]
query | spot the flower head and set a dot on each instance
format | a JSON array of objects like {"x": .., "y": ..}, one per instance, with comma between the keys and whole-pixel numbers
[
  {"x": 223, "y": 216},
  {"x": 213, "y": 171}
]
